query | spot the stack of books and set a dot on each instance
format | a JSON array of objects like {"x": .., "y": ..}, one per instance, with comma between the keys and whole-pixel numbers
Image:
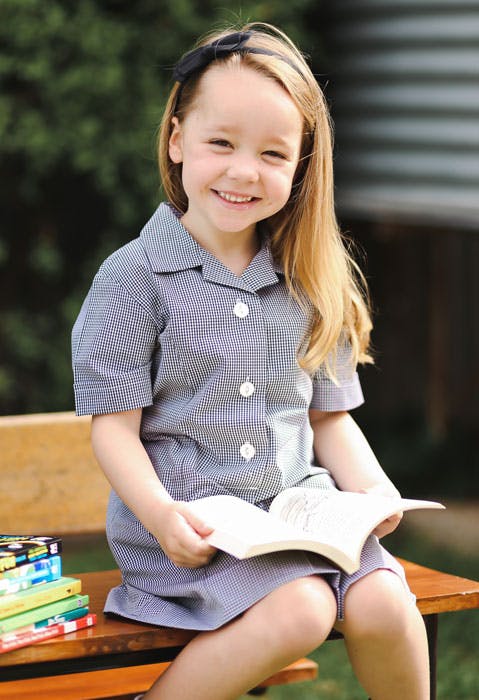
[{"x": 36, "y": 601}]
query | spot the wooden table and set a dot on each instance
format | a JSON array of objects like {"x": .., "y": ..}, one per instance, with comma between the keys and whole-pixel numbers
[{"x": 116, "y": 643}]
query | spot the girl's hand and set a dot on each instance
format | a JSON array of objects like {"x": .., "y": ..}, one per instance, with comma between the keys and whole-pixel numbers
[
  {"x": 388, "y": 525},
  {"x": 391, "y": 523},
  {"x": 181, "y": 535}
]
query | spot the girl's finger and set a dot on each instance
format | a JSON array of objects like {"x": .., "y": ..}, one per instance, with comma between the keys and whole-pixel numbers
[{"x": 198, "y": 525}]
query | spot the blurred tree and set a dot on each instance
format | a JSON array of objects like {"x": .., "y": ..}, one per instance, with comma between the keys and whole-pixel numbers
[{"x": 82, "y": 86}]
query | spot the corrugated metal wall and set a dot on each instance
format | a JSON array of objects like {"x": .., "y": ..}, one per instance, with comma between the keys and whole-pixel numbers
[{"x": 404, "y": 88}]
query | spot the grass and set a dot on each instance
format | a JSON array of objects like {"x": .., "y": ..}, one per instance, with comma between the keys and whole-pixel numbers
[{"x": 458, "y": 671}]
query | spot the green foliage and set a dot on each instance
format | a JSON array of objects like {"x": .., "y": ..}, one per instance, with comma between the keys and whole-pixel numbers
[
  {"x": 420, "y": 464},
  {"x": 82, "y": 85}
]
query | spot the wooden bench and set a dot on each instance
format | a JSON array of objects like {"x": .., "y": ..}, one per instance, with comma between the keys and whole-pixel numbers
[{"x": 52, "y": 485}]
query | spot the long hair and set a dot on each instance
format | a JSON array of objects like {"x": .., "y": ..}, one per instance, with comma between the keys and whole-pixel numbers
[{"x": 304, "y": 236}]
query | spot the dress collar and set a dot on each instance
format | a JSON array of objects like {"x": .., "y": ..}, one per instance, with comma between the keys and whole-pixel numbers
[{"x": 170, "y": 248}]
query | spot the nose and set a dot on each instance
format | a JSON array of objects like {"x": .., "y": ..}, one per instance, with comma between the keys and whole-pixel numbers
[{"x": 243, "y": 168}]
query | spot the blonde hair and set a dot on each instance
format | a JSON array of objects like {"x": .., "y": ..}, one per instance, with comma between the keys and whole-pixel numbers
[{"x": 304, "y": 235}]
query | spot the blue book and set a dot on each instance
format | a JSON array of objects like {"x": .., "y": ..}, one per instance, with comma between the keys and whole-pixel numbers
[
  {"x": 28, "y": 575},
  {"x": 62, "y": 617}
]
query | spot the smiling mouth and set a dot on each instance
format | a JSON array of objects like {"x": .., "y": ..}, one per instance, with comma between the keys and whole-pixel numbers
[{"x": 235, "y": 198}]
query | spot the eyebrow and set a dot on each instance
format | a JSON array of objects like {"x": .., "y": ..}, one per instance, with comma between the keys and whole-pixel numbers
[
  {"x": 219, "y": 127},
  {"x": 228, "y": 129}
]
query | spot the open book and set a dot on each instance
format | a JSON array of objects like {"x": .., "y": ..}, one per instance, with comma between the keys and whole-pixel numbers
[{"x": 332, "y": 523}]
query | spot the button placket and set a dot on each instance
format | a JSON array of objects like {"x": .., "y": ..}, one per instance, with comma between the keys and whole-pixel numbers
[{"x": 246, "y": 388}]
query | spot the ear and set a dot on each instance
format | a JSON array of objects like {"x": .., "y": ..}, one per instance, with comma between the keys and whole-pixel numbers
[{"x": 175, "y": 144}]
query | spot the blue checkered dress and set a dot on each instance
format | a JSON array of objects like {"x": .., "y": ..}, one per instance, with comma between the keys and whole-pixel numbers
[{"x": 210, "y": 357}]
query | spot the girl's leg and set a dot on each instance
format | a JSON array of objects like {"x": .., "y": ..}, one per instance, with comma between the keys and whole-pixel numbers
[
  {"x": 385, "y": 638},
  {"x": 223, "y": 664}
]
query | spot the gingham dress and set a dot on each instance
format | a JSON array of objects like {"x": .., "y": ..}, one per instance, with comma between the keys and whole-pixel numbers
[{"x": 210, "y": 357}]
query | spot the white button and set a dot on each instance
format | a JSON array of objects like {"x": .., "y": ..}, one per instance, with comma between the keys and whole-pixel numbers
[
  {"x": 240, "y": 309},
  {"x": 247, "y": 389},
  {"x": 247, "y": 451}
]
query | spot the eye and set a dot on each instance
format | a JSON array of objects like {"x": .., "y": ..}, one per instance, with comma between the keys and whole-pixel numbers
[
  {"x": 275, "y": 154},
  {"x": 222, "y": 143}
]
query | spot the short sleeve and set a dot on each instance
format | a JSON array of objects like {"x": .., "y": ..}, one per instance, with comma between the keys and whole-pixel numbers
[
  {"x": 344, "y": 395},
  {"x": 113, "y": 341}
]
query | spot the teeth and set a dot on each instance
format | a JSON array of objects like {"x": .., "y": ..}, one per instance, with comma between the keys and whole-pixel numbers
[{"x": 234, "y": 198}]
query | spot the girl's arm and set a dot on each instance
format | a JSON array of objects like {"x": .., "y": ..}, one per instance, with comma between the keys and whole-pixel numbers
[
  {"x": 341, "y": 447},
  {"x": 125, "y": 462}
]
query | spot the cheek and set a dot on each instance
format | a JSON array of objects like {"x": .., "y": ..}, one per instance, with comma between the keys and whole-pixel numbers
[
  {"x": 190, "y": 178},
  {"x": 281, "y": 186},
  {"x": 197, "y": 173}
]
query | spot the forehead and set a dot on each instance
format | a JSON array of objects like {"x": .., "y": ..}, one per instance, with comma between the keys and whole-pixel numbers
[{"x": 238, "y": 95}]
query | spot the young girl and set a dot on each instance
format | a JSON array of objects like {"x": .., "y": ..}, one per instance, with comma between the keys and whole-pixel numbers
[{"x": 217, "y": 355}]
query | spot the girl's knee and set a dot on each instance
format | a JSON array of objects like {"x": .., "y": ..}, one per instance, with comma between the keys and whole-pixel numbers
[
  {"x": 303, "y": 612},
  {"x": 378, "y": 605},
  {"x": 314, "y": 607}
]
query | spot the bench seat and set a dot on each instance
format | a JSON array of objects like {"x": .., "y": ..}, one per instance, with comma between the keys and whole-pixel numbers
[{"x": 119, "y": 655}]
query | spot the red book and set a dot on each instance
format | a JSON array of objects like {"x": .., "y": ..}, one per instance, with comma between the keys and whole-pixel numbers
[{"x": 13, "y": 640}]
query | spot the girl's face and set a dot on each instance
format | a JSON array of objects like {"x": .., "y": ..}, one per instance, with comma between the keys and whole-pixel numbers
[{"x": 239, "y": 146}]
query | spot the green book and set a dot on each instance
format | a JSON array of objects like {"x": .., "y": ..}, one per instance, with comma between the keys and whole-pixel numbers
[
  {"x": 38, "y": 595},
  {"x": 44, "y": 611}
]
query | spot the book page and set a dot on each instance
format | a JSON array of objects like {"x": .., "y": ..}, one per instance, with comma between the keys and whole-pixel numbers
[
  {"x": 316, "y": 513},
  {"x": 231, "y": 515},
  {"x": 338, "y": 516}
]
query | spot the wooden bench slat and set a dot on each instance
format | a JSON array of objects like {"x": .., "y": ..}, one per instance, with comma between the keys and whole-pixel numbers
[
  {"x": 84, "y": 686},
  {"x": 97, "y": 685},
  {"x": 44, "y": 460},
  {"x": 435, "y": 591},
  {"x": 438, "y": 592},
  {"x": 302, "y": 670}
]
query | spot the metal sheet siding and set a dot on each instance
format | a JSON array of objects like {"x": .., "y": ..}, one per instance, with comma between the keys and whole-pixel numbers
[{"x": 404, "y": 91}]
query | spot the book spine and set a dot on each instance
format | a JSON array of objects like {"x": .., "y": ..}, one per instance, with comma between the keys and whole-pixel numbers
[
  {"x": 24, "y": 577},
  {"x": 28, "y": 549},
  {"x": 54, "y": 620},
  {"x": 43, "y": 612},
  {"x": 18, "y": 640},
  {"x": 41, "y": 595}
]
